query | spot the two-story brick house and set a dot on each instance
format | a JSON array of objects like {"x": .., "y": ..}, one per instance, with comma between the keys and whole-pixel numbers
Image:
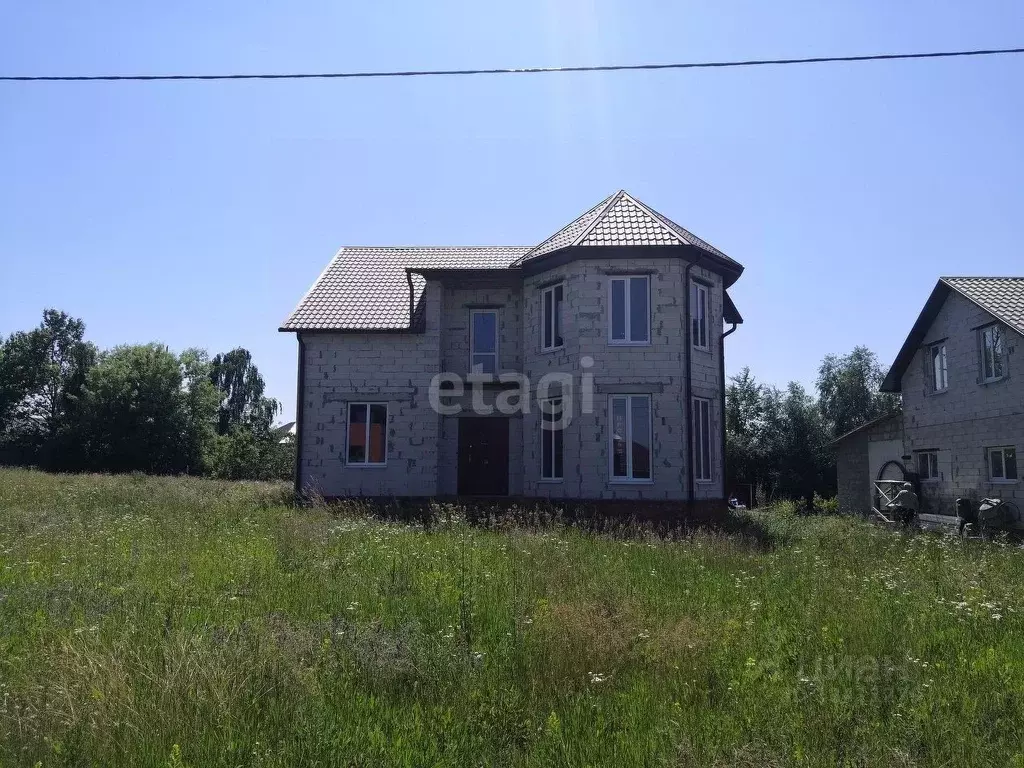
[
  {"x": 962, "y": 426},
  {"x": 589, "y": 366}
]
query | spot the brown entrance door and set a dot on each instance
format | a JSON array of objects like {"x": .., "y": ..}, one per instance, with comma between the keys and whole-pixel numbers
[{"x": 483, "y": 456}]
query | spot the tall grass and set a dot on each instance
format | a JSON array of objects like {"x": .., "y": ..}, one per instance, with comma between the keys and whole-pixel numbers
[{"x": 174, "y": 622}]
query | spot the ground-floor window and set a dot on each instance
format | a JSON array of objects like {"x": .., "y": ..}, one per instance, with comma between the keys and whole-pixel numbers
[
  {"x": 701, "y": 415},
  {"x": 552, "y": 439},
  {"x": 1002, "y": 463},
  {"x": 928, "y": 465},
  {"x": 367, "y": 433},
  {"x": 631, "y": 434}
]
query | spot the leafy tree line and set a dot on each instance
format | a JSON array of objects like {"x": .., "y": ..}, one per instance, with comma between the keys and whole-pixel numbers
[
  {"x": 778, "y": 441},
  {"x": 66, "y": 405}
]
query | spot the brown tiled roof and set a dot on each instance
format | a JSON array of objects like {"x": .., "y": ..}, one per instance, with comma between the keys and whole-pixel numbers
[
  {"x": 568, "y": 234},
  {"x": 368, "y": 288},
  {"x": 622, "y": 220},
  {"x": 1002, "y": 297}
]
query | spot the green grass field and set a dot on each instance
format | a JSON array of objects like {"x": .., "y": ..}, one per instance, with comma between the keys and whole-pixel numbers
[{"x": 172, "y": 622}]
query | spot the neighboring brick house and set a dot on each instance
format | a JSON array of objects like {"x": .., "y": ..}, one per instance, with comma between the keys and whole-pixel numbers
[
  {"x": 560, "y": 370},
  {"x": 962, "y": 381}
]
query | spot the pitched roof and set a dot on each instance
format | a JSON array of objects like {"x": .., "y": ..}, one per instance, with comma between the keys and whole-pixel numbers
[
  {"x": 622, "y": 220},
  {"x": 897, "y": 417},
  {"x": 1001, "y": 297},
  {"x": 368, "y": 288}
]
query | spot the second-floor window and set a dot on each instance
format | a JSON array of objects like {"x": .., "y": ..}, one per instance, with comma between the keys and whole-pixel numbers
[
  {"x": 631, "y": 313},
  {"x": 551, "y": 317},
  {"x": 699, "y": 315},
  {"x": 937, "y": 367},
  {"x": 483, "y": 340},
  {"x": 993, "y": 361}
]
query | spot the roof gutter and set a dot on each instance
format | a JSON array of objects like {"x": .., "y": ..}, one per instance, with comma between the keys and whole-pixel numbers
[{"x": 300, "y": 396}]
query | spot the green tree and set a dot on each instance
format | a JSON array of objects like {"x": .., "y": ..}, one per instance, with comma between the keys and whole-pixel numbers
[
  {"x": 146, "y": 411},
  {"x": 241, "y": 388},
  {"x": 848, "y": 390},
  {"x": 42, "y": 373},
  {"x": 745, "y": 435},
  {"x": 804, "y": 463}
]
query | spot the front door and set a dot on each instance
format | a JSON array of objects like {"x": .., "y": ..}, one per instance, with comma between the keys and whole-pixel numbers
[{"x": 483, "y": 456}]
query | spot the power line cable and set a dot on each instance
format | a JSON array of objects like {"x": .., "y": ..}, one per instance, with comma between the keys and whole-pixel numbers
[{"x": 520, "y": 71}]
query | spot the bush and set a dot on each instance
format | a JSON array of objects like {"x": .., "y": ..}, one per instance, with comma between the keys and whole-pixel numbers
[{"x": 826, "y": 506}]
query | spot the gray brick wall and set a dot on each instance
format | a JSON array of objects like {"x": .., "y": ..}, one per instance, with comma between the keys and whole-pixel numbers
[
  {"x": 423, "y": 447},
  {"x": 656, "y": 369},
  {"x": 457, "y": 305},
  {"x": 970, "y": 415},
  {"x": 391, "y": 368}
]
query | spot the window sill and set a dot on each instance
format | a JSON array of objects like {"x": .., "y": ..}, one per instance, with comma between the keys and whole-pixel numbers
[
  {"x": 986, "y": 382},
  {"x": 548, "y": 350},
  {"x": 699, "y": 481},
  {"x": 630, "y": 481},
  {"x": 698, "y": 348},
  {"x": 551, "y": 480},
  {"x": 1000, "y": 481},
  {"x": 935, "y": 392},
  {"x": 363, "y": 465},
  {"x": 629, "y": 343}
]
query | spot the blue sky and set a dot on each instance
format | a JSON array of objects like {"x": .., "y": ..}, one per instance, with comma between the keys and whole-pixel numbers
[{"x": 197, "y": 214}]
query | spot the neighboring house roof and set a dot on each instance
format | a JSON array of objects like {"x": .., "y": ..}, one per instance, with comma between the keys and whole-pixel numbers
[
  {"x": 898, "y": 415},
  {"x": 285, "y": 432},
  {"x": 379, "y": 289},
  {"x": 1001, "y": 297},
  {"x": 367, "y": 289}
]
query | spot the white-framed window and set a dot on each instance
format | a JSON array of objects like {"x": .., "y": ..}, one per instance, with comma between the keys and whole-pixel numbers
[
  {"x": 699, "y": 315},
  {"x": 993, "y": 359},
  {"x": 1002, "y": 464},
  {"x": 630, "y": 437},
  {"x": 928, "y": 465},
  {"x": 630, "y": 301},
  {"x": 367, "y": 434},
  {"x": 483, "y": 340},
  {"x": 701, "y": 415},
  {"x": 552, "y": 439},
  {"x": 551, "y": 317},
  {"x": 937, "y": 371}
]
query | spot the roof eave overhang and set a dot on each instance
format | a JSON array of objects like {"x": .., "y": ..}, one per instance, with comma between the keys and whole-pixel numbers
[
  {"x": 729, "y": 270},
  {"x": 402, "y": 329}
]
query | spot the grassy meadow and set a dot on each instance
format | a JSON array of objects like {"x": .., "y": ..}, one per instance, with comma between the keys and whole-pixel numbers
[{"x": 186, "y": 622}]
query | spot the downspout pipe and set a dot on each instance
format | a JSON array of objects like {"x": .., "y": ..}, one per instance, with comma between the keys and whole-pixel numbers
[
  {"x": 300, "y": 397},
  {"x": 721, "y": 378}
]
